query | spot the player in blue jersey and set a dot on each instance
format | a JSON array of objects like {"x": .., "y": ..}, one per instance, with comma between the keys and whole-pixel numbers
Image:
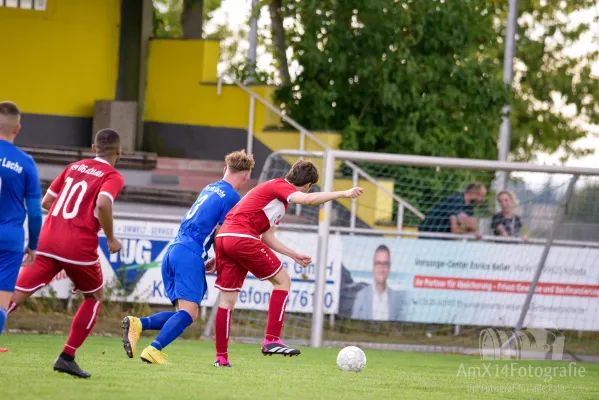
[
  {"x": 20, "y": 195},
  {"x": 186, "y": 263}
]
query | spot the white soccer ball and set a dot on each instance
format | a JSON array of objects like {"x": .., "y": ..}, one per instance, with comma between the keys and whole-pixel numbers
[{"x": 351, "y": 359}]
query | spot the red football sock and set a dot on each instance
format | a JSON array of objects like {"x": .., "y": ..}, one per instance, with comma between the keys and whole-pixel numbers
[
  {"x": 12, "y": 306},
  {"x": 276, "y": 314},
  {"x": 222, "y": 327},
  {"x": 82, "y": 325}
]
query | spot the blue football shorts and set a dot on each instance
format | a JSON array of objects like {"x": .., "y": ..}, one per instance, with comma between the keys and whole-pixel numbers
[
  {"x": 183, "y": 274},
  {"x": 10, "y": 265}
]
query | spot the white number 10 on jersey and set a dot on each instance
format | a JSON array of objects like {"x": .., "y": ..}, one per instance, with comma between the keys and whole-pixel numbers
[{"x": 64, "y": 202}]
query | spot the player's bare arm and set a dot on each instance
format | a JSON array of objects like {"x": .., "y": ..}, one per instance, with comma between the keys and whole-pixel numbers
[
  {"x": 29, "y": 257},
  {"x": 313, "y": 199},
  {"x": 269, "y": 239},
  {"x": 104, "y": 208},
  {"x": 47, "y": 201},
  {"x": 210, "y": 265}
]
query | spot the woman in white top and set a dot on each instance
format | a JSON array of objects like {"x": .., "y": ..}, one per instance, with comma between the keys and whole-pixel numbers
[{"x": 506, "y": 222}]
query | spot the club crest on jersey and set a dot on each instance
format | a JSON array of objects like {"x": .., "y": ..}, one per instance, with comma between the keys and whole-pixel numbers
[{"x": 134, "y": 259}]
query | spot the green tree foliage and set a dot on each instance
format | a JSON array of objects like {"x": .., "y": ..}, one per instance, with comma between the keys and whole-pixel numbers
[
  {"x": 170, "y": 16},
  {"x": 555, "y": 94},
  {"x": 400, "y": 77},
  {"x": 278, "y": 40},
  {"x": 424, "y": 77},
  {"x": 167, "y": 18},
  {"x": 405, "y": 77}
]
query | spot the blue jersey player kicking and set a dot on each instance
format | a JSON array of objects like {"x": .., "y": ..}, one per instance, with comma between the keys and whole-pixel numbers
[
  {"x": 20, "y": 195},
  {"x": 185, "y": 263}
]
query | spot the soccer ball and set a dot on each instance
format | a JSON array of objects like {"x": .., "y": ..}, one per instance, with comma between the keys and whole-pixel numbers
[{"x": 351, "y": 359}]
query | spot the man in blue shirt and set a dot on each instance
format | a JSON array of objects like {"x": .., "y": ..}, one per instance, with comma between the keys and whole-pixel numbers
[
  {"x": 454, "y": 214},
  {"x": 20, "y": 196},
  {"x": 185, "y": 263}
]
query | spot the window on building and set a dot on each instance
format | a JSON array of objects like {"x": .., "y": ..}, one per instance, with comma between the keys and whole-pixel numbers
[{"x": 39, "y": 5}]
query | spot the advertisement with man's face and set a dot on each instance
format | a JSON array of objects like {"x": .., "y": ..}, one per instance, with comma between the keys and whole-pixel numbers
[
  {"x": 382, "y": 295},
  {"x": 468, "y": 283}
]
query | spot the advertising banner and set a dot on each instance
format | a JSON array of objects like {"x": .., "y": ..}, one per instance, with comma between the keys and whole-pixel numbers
[
  {"x": 137, "y": 270},
  {"x": 471, "y": 283},
  {"x": 389, "y": 279}
]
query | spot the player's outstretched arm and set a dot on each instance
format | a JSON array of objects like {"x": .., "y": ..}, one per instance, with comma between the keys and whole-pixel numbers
[
  {"x": 104, "y": 208},
  {"x": 313, "y": 199},
  {"x": 269, "y": 239}
]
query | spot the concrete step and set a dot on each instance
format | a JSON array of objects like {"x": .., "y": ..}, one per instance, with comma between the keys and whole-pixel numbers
[
  {"x": 291, "y": 218},
  {"x": 194, "y": 183},
  {"x": 186, "y": 172},
  {"x": 199, "y": 182},
  {"x": 191, "y": 175},
  {"x": 182, "y": 164},
  {"x": 65, "y": 155}
]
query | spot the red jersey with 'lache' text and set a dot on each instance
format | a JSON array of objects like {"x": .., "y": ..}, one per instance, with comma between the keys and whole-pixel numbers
[
  {"x": 70, "y": 231},
  {"x": 262, "y": 208}
]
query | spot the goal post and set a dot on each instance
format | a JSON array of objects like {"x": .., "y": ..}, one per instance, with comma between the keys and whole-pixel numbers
[
  {"x": 443, "y": 291},
  {"x": 324, "y": 227},
  {"x": 510, "y": 283}
]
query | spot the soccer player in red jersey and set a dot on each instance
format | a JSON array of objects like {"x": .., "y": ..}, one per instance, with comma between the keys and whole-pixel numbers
[
  {"x": 246, "y": 242},
  {"x": 79, "y": 202}
]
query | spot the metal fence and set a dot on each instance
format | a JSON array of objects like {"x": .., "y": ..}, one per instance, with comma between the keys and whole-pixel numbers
[{"x": 552, "y": 198}]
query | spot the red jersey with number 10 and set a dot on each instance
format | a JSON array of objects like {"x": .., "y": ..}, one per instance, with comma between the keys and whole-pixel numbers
[
  {"x": 70, "y": 231},
  {"x": 262, "y": 208}
]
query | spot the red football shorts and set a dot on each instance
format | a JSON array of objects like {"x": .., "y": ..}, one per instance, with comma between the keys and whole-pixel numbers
[
  {"x": 85, "y": 278},
  {"x": 235, "y": 256}
]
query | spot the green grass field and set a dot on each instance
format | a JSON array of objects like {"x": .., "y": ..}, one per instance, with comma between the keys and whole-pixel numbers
[{"x": 26, "y": 373}]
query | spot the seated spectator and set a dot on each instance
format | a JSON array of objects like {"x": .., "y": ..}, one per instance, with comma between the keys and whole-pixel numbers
[
  {"x": 454, "y": 214},
  {"x": 507, "y": 223}
]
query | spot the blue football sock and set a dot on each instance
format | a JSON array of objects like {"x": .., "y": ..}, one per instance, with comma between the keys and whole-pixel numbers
[
  {"x": 173, "y": 328},
  {"x": 3, "y": 315},
  {"x": 156, "y": 321}
]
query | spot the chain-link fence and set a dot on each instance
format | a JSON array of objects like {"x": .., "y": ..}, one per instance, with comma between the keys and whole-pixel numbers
[{"x": 433, "y": 254}]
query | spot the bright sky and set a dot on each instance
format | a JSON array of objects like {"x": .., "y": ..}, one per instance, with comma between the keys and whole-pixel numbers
[{"x": 236, "y": 12}]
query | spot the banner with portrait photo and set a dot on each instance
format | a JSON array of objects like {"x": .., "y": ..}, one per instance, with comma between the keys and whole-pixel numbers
[{"x": 470, "y": 283}]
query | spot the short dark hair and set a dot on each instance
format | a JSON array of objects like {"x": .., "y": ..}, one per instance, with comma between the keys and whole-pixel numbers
[
  {"x": 474, "y": 187},
  {"x": 9, "y": 108},
  {"x": 383, "y": 247},
  {"x": 240, "y": 161},
  {"x": 302, "y": 172},
  {"x": 107, "y": 140}
]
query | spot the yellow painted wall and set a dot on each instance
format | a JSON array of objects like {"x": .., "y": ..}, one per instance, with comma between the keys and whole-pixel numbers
[
  {"x": 281, "y": 140},
  {"x": 59, "y": 61},
  {"x": 188, "y": 94},
  {"x": 374, "y": 205}
]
